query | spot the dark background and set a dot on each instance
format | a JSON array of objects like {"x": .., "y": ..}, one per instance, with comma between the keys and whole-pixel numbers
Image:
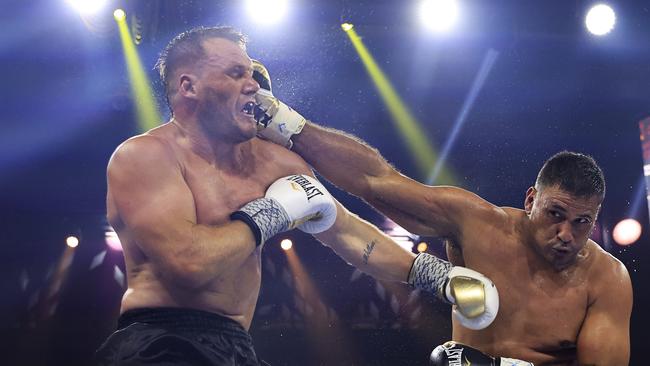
[{"x": 66, "y": 104}]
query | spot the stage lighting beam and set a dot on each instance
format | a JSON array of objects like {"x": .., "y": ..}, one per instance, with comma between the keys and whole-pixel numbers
[
  {"x": 416, "y": 141},
  {"x": 145, "y": 105}
]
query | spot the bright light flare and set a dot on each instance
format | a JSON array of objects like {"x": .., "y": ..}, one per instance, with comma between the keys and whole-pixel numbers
[
  {"x": 403, "y": 242},
  {"x": 439, "y": 15},
  {"x": 267, "y": 11},
  {"x": 286, "y": 244},
  {"x": 87, "y": 7},
  {"x": 627, "y": 231},
  {"x": 422, "y": 247},
  {"x": 600, "y": 19},
  {"x": 347, "y": 26},
  {"x": 72, "y": 241},
  {"x": 112, "y": 241},
  {"x": 119, "y": 14}
]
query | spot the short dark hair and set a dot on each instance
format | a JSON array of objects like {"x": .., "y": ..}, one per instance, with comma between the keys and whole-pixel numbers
[
  {"x": 575, "y": 173},
  {"x": 187, "y": 48}
]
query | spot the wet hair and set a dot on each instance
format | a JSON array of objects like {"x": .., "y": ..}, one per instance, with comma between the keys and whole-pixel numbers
[
  {"x": 187, "y": 48},
  {"x": 575, "y": 173}
]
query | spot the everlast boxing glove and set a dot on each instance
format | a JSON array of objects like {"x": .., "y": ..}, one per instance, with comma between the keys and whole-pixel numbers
[{"x": 457, "y": 354}]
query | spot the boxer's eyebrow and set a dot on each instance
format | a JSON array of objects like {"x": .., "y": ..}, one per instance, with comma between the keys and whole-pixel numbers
[
  {"x": 587, "y": 216},
  {"x": 558, "y": 207}
]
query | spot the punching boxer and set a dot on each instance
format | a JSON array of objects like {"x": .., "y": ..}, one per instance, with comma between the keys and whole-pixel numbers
[
  {"x": 564, "y": 300},
  {"x": 194, "y": 200}
]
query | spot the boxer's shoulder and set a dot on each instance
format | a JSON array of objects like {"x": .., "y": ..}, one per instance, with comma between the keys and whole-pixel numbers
[
  {"x": 145, "y": 148},
  {"x": 603, "y": 267},
  {"x": 503, "y": 219}
]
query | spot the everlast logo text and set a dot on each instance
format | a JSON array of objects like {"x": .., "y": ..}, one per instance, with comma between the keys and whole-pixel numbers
[
  {"x": 454, "y": 356},
  {"x": 306, "y": 185}
]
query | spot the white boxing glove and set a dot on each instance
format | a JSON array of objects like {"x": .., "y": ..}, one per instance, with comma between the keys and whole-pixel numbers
[
  {"x": 276, "y": 121},
  {"x": 294, "y": 201},
  {"x": 474, "y": 297},
  {"x": 310, "y": 206}
]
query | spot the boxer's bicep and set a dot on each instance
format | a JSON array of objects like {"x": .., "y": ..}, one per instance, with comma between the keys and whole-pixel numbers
[
  {"x": 443, "y": 211},
  {"x": 604, "y": 338},
  {"x": 151, "y": 196}
]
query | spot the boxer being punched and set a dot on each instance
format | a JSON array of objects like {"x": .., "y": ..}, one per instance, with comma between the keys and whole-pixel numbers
[
  {"x": 194, "y": 200},
  {"x": 564, "y": 300}
]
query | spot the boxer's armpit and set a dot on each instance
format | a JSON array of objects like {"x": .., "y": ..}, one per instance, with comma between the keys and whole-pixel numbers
[
  {"x": 368, "y": 251},
  {"x": 386, "y": 205}
]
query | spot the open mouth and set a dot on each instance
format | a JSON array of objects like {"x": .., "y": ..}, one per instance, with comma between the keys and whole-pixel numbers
[
  {"x": 248, "y": 108},
  {"x": 561, "y": 251}
]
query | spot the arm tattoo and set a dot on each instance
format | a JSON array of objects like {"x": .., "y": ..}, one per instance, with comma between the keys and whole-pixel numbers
[{"x": 368, "y": 250}]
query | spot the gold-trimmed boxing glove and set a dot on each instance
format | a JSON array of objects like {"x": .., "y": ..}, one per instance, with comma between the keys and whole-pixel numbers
[{"x": 474, "y": 297}]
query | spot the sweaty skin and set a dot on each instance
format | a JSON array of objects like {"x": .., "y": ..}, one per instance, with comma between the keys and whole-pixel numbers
[
  {"x": 563, "y": 300},
  {"x": 171, "y": 191},
  {"x": 213, "y": 193}
]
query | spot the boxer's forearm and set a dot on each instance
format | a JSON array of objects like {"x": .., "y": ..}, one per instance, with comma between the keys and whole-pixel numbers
[
  {"x": 341, "y": 158},
  {"x": 365, "y": 247}
]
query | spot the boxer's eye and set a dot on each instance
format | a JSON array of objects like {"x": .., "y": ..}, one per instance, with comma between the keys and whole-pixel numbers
[{"x": 555, "y": 214}]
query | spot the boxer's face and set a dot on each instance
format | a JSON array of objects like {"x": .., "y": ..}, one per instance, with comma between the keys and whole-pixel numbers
[
  {"x": 225, "y": 91},
  {"x": 561, "y": 223}
]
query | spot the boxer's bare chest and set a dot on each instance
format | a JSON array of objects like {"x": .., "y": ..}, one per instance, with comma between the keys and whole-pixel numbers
[
  {"x": 218, "y": 192},
  {"x": 541, "y": 309}
]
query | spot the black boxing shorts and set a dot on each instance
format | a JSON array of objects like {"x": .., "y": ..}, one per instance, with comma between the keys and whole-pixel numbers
[{"x": 177, "y": 336}]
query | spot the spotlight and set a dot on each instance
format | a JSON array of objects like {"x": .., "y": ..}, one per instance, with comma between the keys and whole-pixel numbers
[
  {"x": 347, "y": 26},
  {"x": 267, "y": 11},
  {"x": 439, "y": 15},
  {"x": 627, "y": 232},
  {"x": 422, "y": 247},
  {"x": 119, "y": 14},
  {"x": 72, "y": 241},
  {"x": 112, "y": 241},
  {"x": 600, "y": 19},
  {"x": 87, "y": 7},
  {"x": 286, "y": 244}
]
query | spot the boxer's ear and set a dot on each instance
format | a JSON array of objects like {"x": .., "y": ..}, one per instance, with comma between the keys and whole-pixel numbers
[
  {"x": 187, "y": 85},
  {"x": 531, "y": 194}
]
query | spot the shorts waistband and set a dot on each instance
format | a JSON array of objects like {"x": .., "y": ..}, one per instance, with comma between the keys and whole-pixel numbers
[{"x": 182, "y": 318}]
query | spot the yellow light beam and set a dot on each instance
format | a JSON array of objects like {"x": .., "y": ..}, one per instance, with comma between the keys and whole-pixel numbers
[
  {"x": 147, "y": 113},
  {"x": 407, "y": 125}
]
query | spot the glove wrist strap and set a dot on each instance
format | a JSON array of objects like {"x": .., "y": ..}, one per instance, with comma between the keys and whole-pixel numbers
[
  {"x": 265, "y": 217},
  {"x": 429, "y": 273}
]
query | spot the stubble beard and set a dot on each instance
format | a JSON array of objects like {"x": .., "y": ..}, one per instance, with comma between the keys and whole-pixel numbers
[{"x": 218, "y": 122}]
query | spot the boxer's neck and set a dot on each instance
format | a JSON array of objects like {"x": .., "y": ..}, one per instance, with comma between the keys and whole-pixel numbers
[{"x": 225, "y": 154}]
